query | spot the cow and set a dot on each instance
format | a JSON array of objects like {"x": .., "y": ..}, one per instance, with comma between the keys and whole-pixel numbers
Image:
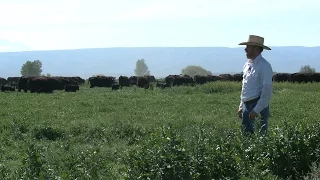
[
  {"x": 133, "y": 80},
  {"x": 162, "y": 85},
  {"x": 205, "y": 79},
  {"x": 143, "y": 82},
  {"x": 281, "y": 77},
  {"x": 226, "y": 77},
  {"x": 7, "y": 88},
  {"x": 13, "y": 81},
  {"x": 299, "y": 78},
  {"x": 101, "y": 81},
  {"x": 115, "y": 86},
  {"x": 3, "y": 81},
  {"x": 124, "y": 81},
  {"x": 44, "y": 89},
  {"x": 237, "y": 77},
  {"x": 71, "y": 87}
]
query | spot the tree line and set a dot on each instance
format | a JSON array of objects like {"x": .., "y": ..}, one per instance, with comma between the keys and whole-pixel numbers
[{"x": 34, "y": 68}]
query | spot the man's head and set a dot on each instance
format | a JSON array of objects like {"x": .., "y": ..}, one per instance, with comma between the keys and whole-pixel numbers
[
  {"x": 255, "y": 46},
  {"x": 253, "y": 51}
]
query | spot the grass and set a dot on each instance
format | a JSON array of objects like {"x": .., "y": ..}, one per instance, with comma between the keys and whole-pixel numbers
[{"x": 178, "y": 133}]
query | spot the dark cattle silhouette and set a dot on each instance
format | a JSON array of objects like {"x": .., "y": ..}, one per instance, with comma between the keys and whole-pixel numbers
[
  {"x": 124, "y": 81},
  {"x": 7, "y": 88},
  {"x": 3, "y": 81},
  {"x": 101, "y": 81},
  {"x": 71, "y": 87},
  {"x": 115, "y": 86},
  {"x": 281, "y": 77}
]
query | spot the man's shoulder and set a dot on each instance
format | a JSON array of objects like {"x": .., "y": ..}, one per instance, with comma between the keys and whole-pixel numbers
[{"x": 265, "y": 62}]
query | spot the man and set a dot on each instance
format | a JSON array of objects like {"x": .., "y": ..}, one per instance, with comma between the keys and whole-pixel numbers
[{"x": 256, "y": 86}]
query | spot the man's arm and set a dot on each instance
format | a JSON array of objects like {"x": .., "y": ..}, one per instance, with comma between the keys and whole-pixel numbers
[
  {"x": 266, "y": 94},
  {"x": 241, "y": 104}
]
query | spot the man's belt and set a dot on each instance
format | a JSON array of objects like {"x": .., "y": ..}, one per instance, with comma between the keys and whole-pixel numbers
[{"x": 252, "y": 100}]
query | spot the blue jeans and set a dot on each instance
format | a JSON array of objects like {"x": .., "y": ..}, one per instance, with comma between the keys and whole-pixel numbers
[{"x": 248, "y": 124}]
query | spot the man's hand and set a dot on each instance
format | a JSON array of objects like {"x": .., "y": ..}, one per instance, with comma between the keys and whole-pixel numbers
[
  {"x": 253, "y": 115},
  {"x": 240, "y": 113}
]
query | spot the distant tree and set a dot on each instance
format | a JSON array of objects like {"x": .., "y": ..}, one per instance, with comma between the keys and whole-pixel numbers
[
  {"x": 141, "y": 68},
  {"x": 31, "y": 68},
  {"x": 195, "y": 70},
  {"x": 307, "y": 69}
]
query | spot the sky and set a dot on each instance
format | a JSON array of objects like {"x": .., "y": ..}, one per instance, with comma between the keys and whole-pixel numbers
[{"x": 74, "y": 24}]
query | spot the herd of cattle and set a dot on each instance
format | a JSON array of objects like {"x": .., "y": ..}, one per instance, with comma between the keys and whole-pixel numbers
[{"x": 71, "y": 84}]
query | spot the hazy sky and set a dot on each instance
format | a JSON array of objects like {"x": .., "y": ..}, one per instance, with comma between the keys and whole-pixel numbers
[{"x": 70, "y": 24}]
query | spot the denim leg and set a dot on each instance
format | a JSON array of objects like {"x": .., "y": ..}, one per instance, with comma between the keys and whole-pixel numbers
[
  {"x": 247, "y": 123},
  {"x": 265, "y": 113}
]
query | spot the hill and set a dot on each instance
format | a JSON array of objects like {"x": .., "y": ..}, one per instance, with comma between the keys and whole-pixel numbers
[{"x": 162, "y": 61}]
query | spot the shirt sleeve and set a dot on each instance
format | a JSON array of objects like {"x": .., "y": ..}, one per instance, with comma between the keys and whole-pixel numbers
[
  {"x": 266, "y": 94},
  {"x": 241, "y": 103}
]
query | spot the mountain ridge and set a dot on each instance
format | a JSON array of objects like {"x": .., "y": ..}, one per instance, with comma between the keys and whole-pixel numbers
[{"x": 162, "y": 61}]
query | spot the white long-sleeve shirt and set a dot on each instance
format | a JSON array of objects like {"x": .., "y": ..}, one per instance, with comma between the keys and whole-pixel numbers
[{"x": 257, "y": 81}]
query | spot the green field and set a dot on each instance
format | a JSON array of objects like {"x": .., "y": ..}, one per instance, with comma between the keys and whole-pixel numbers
[{"x": 177, "y": 133}]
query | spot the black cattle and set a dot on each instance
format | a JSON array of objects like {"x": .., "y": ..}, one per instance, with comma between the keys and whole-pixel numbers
[
  {"x": 13, "y": 81},
  {"x": 124, "y": 81},
  {"x": 198, "y": 79},
  {"x": 237, "y": 77},
  {"x": 178, "y": 80},
  {"x": 44, "y": 89},
  {"x": 115, "y": 86},
  {"x": 315, "y": 77},
  {"x": 101, "y": 81},
  {"x": 299, "y": 78},
  {"x": 3, "y": 81},
  {"x": 143, "y": 82},
  {"x": 23, "y": 84},
  {"x": 71, "y": 87},
  {"x": 226, "y": 77},
  {"x": 133, "y": 80},
  {"x": 281, "y": 77},
  {"x": 7, "y": 88},
  {"x": 162, "y": 85}
]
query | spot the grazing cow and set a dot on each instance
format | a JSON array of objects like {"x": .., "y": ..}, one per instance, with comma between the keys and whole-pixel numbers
[
  {"x": 226, "y": 77},
  {"x": 281, "y": 77},
  {"x": 124, "y": 81},
  {"x": 143, "y": 82},
  {"x": 44, "y": 89},
  {"x": 162, "y": 85},
  {"x": 13, "y": 81},
  {"x": 71, "y": 88},
  {"x": 7, "y": 88},
  {"x": 115, "y": 86},
  {"x": 237, "y": 77},
  {"x": 205, "y": 79},
  {"x": 133, "y": 80},
  {"x": 35, "y": 83},
  {"x": 3, "y": 81},
  {"x": 299, "y": 78},
  {"x": 101, "y": 81}
]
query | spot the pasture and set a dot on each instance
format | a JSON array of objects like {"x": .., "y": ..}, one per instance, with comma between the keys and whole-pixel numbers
[{"x": 174, "y": 133}]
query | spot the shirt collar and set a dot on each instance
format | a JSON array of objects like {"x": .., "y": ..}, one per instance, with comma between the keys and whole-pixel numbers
[{"x": 256, "y": 60}]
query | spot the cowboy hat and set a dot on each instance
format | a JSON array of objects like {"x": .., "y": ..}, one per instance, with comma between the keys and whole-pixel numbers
[{"x": 255, "y": 41}]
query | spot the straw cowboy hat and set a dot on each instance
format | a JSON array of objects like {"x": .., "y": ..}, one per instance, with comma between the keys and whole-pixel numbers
[{"x": 255, "y": 41}]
